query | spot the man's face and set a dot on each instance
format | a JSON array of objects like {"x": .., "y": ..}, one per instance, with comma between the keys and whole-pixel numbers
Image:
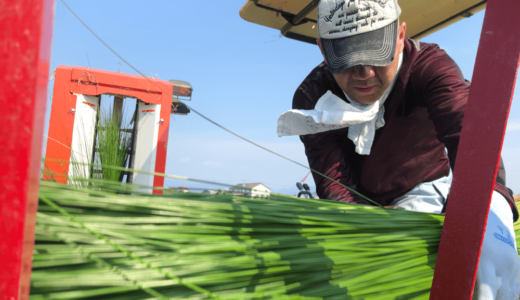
[{"x": 366, "y": 84}]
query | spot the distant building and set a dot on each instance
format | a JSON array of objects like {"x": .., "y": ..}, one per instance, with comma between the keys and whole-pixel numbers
[
  {"x": 209, "y": 192},
  {"x": 252, "y": 190},
  {"x": 182, "y": 189},
  {"x": 517, "y": 198}
]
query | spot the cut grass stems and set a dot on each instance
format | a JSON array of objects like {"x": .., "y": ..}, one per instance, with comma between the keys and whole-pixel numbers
[
  {"x": 96, "y": 244},
  {"x": 106, "y": 241}
]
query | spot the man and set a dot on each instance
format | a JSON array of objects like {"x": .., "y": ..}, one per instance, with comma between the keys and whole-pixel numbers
[{"x": 378, "y": 116}]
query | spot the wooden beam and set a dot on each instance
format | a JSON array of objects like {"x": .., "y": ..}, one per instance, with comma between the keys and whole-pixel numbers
[{"x": 117, "y": 111}]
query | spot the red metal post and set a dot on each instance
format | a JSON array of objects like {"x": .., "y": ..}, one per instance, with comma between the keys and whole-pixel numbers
[
  {"x": 25, "y": 48},
  {"x": 479, "y": 152}
]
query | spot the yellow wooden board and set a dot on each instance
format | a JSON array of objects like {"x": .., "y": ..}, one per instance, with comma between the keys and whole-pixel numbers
[{"x": 423, "y": 17}]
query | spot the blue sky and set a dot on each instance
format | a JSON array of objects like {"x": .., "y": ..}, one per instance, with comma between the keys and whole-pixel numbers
[{"x": 244, "y": 76}]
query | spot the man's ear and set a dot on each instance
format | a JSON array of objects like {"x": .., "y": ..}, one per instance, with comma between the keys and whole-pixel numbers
[
  {"x": 402, "y": 35},
  {"x": 318, "y": 41}
]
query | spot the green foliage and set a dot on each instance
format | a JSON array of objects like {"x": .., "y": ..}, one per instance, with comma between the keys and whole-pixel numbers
[
  {"x": 223, "y": 192},
  {"x": 101, "y": 244},
  {"x": 113, "y": 145},
  {"x": 109, "y": 242}
]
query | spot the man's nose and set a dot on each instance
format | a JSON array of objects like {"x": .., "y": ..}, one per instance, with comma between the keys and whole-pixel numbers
[{"x": 363, "y": 72}]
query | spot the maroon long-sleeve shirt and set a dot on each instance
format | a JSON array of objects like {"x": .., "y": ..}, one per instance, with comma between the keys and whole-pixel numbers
[{"x": 423, "y": 115}]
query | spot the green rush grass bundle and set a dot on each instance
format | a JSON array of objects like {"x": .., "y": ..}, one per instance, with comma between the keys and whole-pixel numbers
[
  {"x": 93, "y": 244},
  {"x": 113, "y": 144}
]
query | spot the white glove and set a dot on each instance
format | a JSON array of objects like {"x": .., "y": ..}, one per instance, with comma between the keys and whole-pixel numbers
[{"x": 498, "y": 275}]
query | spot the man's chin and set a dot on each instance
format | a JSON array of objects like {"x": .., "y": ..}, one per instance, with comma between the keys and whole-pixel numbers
[
  {"x": 370, "y": 98},
  {"x": 366, "y": 99}
]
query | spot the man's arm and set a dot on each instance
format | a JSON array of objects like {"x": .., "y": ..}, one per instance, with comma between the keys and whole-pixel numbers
[
  {"x": 440, "y": 84},
  {"x": 326, "y": 155}
]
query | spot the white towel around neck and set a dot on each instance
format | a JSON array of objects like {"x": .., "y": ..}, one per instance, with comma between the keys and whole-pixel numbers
[{"x": 331, "y": 113}]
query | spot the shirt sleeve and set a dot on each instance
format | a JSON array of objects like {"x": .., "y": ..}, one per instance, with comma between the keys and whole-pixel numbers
[
  {"x": 326, "y": 155},
  {"x": 442, "y": 88},
  {"x": 439, "y": 84}
]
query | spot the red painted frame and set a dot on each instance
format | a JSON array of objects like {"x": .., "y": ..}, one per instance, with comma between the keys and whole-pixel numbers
[
  {"x": 479, "y": 150},
  {"x": 25, "y": 53},
  {"x": 86, "y": 81}
]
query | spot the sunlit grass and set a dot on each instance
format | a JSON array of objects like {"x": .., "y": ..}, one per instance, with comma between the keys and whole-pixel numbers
[{"x": 97, "y": 243}]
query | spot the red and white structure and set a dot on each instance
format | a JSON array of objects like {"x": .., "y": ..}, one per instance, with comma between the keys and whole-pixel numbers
[{"x": 74, "y": 113}]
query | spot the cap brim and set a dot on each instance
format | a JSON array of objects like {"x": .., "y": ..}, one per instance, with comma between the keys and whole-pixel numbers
[{"x": 374, "y": 48}]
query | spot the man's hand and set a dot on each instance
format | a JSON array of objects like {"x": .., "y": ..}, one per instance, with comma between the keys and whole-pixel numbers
[{"x": 498, "y": 275}]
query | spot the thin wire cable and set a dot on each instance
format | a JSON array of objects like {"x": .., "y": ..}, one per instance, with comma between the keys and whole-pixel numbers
[
  {"x": 213, "y": 122},
  {"x": 191, "y": 108},
  {"x": 246, "y": 139},
  {"x": 63, "y": 145}
]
